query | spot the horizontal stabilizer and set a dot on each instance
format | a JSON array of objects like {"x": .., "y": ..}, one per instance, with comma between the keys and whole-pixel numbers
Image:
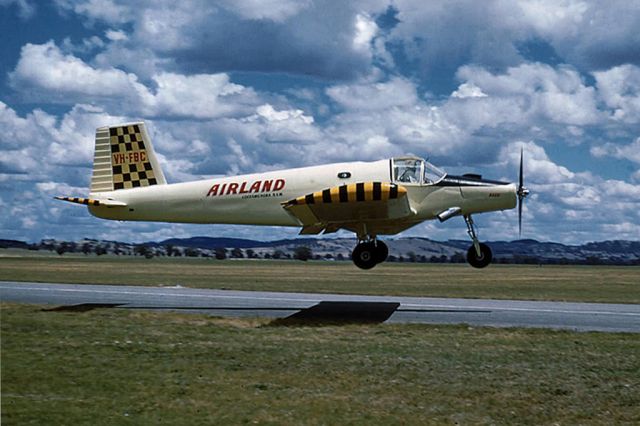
[{"x": 92, "y": 201}]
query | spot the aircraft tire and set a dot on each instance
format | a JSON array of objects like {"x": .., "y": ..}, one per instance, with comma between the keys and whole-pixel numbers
[
  {"x": 484, "y": 259},
  {"x": 381, "y": 251},
  {"x": 364, "y": 256}
]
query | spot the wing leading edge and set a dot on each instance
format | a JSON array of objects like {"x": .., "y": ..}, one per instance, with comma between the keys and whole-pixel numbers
[{"x": 376, "y": 205}]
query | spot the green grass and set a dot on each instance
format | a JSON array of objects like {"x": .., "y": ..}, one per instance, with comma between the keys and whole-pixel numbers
[
  {"x": 562, "y": 283},
  {"x": 131, "y": 367}
]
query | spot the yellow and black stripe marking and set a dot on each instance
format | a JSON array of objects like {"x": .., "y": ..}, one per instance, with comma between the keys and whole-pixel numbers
[
  {"x": 130, "y": 162},
  {"x": 78, "y": 200},
  {"x": 354, "y": 192}
]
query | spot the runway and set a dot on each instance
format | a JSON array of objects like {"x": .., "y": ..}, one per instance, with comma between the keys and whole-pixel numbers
[{"x": 477, "y": 312}]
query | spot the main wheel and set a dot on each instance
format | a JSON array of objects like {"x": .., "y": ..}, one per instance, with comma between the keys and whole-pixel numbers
[
  {"x": 381, "y": 251},
  {"x": 479, "y": 261},
  {"x": 364, "y": 256}
]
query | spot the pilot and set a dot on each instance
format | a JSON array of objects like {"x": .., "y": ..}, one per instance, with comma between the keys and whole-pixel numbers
[{"x": 409, "y": 175}]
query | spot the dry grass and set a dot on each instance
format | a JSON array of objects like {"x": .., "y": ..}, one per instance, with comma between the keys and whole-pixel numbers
[{"x": 127, "y": 367}]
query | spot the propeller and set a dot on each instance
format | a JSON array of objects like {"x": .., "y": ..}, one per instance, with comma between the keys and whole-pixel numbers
[{"x": 522, "y": 193}]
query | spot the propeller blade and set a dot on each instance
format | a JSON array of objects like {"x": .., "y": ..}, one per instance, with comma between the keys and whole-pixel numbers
[
  {"x": 522, "y": 192},
  {"x": 521, "y": 179},
  {"x": 519, "y": 216}
]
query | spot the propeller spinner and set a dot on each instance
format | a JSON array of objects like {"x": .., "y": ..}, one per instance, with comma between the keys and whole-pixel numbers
[{"x": 522, "y": 193}]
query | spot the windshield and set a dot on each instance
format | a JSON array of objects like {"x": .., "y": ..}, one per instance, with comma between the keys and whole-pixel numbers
[
  {"x": 416, "y": 170},
  {"x": 432, "y": 174},
  {"x": 407, "y": 170}
]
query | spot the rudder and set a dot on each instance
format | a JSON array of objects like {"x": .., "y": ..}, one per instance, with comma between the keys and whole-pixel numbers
[{"x": 124, "y": 158}]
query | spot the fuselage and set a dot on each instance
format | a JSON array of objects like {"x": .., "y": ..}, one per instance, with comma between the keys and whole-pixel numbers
[
  {"x": 375, "y": 198},
  {"x": 256, "y": 199}
]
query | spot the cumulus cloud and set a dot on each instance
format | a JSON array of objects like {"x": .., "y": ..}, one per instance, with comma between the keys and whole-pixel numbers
[
  {"x": 462, "y": 83},
  {"x": 116, "y": 35},
  {"x": 26, "y": 9},
  {"x": 629, "y": 152},
  {"x": 375, "y": 96},
  {"x": 561, "y": 195},
  {"x": 442, "y": 36},
  {"x": 275, "y": 10},
  {"x": 285, "y": 126},
  {"x": 46, "y": 67},
  {"x": 365, "y": 30},
  {"x": 200, "y": 96},
  {"x": 539, "y": 90},
  {"x": 41, "y": 143},
  {"x": 49, "y": 71},
  {"x": 109, "y": 11},
  {"x": 288, "y": 36},
  {"x": 299, "y": 37},
  {"x": 619, "y": 88},
  {"x": 539, "y": 167},
  {"x": 468, "y": 90},
  {"x": 592, "y": 34}
]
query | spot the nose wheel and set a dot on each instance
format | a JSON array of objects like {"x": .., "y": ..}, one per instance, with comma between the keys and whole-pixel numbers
[
  {"x": 479, "y": 254},
  {"x": 368, "y": 254}
]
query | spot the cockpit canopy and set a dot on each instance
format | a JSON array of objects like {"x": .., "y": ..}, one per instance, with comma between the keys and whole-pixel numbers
[{"x": 414, "y": 170}]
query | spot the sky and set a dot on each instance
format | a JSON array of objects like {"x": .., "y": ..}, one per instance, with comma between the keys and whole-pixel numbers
[{"x": 240, "y": 86}]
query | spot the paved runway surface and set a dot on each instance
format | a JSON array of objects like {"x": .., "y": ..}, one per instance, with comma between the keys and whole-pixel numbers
[{"x": 497, "y": 313}]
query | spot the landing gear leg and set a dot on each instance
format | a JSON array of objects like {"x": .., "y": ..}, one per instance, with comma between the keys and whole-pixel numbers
[
  {"x": 479, "y": 255},
  {"x": 369, "y": 252}
]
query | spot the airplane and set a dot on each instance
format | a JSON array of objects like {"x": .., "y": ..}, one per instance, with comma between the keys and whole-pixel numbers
[{"x": 375, "y": 198}]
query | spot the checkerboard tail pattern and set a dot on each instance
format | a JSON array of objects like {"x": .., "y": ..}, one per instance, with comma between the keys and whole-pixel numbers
[{"x": 124, "y": 159}]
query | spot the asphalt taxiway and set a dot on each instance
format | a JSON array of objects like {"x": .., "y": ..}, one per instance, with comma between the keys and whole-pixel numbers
[{"x": 478, "y": 312}]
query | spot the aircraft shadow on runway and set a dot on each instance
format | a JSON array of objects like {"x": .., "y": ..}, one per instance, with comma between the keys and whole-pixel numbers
[{"x": 320, "y": 314}]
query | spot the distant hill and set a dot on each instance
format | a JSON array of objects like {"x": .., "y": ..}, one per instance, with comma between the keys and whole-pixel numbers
[
  {"x": 212, "y": 243},
  {"x": 409, "y": 249}
]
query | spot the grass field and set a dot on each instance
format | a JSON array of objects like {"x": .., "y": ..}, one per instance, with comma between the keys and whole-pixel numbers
[
  {"x": 128, "y": 367},
  {"x": 561, "y": 283}
]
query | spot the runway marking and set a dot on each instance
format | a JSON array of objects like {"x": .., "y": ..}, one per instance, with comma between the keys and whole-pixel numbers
[
  {"x": 559, "y": 311},
  {"x": 221, "y": 296},
  {"x": 142, "y": 293}
]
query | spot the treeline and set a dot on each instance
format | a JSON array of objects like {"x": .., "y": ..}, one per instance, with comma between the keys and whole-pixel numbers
[{"x": 302, "y": 252}]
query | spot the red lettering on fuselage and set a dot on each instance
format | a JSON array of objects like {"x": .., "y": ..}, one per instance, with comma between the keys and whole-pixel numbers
[
  {"x": 233, "y": 188},
  {"x": 256, "y": 186},
  {"x": 245, "y": 187},
  {"x": 213, "y": 190}
]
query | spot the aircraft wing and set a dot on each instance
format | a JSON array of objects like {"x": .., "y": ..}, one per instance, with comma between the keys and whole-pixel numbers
[{"x": 379, "y": 205}]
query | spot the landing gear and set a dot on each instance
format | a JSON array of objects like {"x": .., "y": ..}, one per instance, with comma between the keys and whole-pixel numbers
[
  {"x": 479, "y": 255},
  {"x": 479, "y": 261},
  {"x": 368, "y": 254}
]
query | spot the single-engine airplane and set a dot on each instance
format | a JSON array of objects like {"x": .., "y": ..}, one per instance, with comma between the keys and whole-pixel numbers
[{"x": 370, "y": 199}]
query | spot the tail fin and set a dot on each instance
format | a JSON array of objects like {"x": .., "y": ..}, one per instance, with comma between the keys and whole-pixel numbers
[{"x": 124, "y": 158}]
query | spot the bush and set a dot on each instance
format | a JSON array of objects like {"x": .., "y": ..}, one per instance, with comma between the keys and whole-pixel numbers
[
  {"x": 221, "y": 253},
  {"x": 302, "y": 253}
]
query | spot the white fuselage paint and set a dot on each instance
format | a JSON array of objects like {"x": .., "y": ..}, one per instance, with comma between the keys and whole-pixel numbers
[{"x": 259, "y": 203}]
